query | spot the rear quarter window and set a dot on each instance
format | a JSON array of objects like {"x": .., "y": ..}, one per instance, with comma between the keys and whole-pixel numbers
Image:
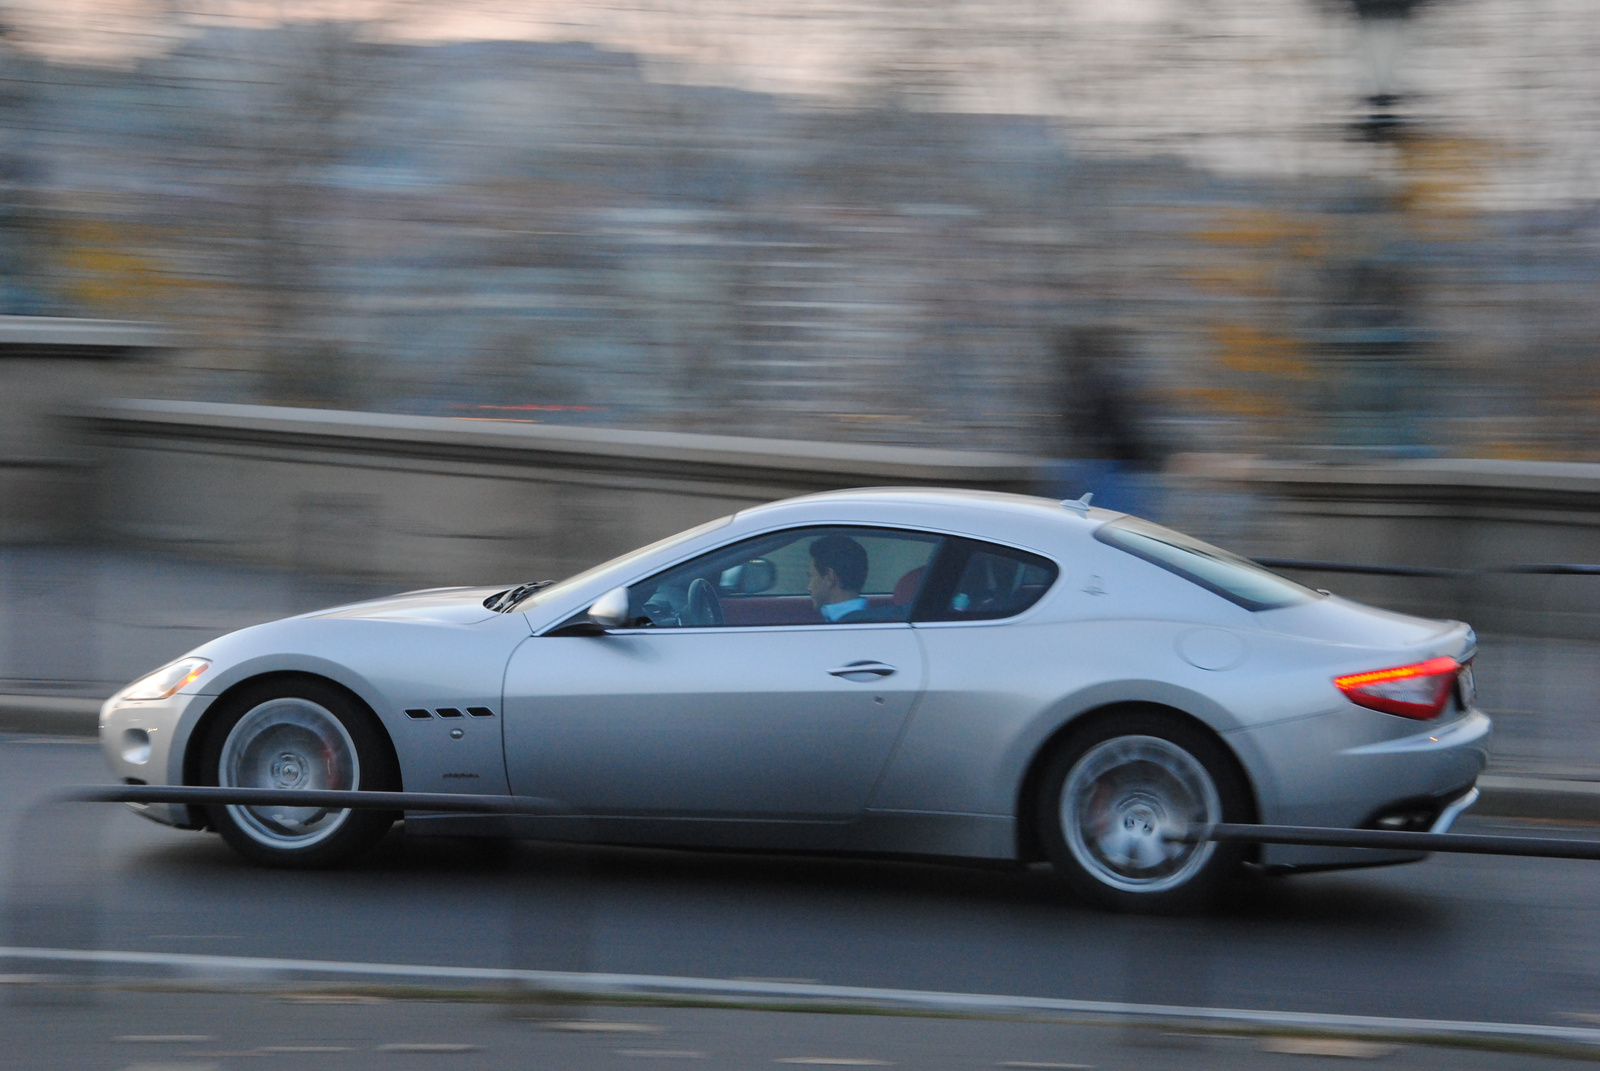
[
  {"x": 985, "y": 582},
  {"x": 1239, "y": 580}
]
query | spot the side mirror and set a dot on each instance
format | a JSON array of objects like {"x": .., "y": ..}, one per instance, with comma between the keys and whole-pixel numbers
[
  {"x": 756, "y": 576},
  {"x": 611, "y": 609}
]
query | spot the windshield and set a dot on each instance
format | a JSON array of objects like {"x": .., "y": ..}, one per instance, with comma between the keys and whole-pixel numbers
[
  {"x": 1239, "y": 580},
  {"x": 620, "y": 564}
]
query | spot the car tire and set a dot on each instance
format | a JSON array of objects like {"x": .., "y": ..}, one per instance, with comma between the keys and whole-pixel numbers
[
  {"x": 305, "y": 733},
  {"x": 1114, "y": 792}
]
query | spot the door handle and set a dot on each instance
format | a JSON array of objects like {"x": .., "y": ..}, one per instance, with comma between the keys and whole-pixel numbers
[{"x": 861, "y": 672}]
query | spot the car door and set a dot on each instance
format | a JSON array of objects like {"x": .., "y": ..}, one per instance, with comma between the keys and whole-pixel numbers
[
  {"x": 769, "y": 712},
  {"x": 991, "y": 669}
]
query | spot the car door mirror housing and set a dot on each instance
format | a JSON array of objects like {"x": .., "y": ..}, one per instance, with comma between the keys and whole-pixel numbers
[
  {"x": 611, "y": 609},
  {"x": 756, "y": 576}
]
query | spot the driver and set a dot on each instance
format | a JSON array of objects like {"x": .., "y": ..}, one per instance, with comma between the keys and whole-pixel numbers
[{"x": 838, "y": 573}]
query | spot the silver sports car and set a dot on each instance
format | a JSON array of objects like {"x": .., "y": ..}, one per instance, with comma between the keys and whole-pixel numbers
[{"x": 929, "y": 672}]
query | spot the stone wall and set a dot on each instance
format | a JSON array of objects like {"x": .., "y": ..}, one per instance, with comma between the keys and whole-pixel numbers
[
  {"x": 429, "y": 500},
  {"x": 432, "y": 500},
  {"x": 48, "y": 365},
  {"x": 1480, "y": 516}
]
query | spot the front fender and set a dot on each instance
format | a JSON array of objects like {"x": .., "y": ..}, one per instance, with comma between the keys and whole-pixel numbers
[
  {"x": 296, "y": 662},
  {"x": 394, "y": 666}
]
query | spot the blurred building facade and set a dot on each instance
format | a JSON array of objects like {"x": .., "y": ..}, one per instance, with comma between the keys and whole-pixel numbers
[{"x": 553, "y": 232}]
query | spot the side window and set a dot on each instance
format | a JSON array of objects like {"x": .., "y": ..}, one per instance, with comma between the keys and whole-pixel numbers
[
  {"x": 990, "y": 582},
  {"x": 801, "y": 576}
]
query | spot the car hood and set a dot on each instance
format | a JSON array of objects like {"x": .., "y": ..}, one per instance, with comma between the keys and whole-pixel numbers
[{"x": 443, "y": 606}]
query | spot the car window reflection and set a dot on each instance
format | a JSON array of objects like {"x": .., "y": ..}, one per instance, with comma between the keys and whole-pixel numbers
[
  {"x": 991, "y": 582},
  {"x": 808, "y": 576}
]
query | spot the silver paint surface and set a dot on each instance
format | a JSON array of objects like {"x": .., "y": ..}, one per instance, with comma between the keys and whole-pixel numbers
[{"x": 739, "y": 736}]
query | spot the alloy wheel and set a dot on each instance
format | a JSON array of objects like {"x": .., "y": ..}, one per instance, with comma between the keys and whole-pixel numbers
[
  {"x": 289, "y": 743},
  {"x": 1123, "y": 806}
]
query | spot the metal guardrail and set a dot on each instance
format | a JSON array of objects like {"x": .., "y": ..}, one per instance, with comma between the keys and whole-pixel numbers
[
  {"x": 462, "y": 803},
  {"x": 1559, "y": 569},
  {"x": 1461, "y": 843},
  {"x": 438, "y": 802},
  {"x": 1553, "y": 570}
]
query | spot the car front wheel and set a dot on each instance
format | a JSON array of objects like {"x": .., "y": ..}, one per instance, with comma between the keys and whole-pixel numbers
[
  {"x": 1116, "y": 800},
  {"x": 298, "y": 734}
]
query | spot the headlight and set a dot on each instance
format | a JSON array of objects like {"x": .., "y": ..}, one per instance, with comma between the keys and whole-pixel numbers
[{"x": 167, "y": 680}]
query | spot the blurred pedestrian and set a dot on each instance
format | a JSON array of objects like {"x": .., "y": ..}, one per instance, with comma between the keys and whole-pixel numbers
[{"x": 1101, "y": 442}]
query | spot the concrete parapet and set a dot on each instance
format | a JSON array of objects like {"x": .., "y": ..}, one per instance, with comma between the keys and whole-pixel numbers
[
  {"x": 47, "y": 365},
  {"x": 1454, "y": 514},
  {"x": 436, "y": 500},
  {"x": 61, "y": 331}
]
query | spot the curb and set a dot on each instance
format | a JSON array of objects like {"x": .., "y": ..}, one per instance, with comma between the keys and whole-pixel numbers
[
  {"x": 50, "y": 715},
  {"x": 1538, "y": 797},
  {"x": 1502, "y": 796}
]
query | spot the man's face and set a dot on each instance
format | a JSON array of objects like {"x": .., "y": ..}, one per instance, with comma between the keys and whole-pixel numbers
[{"x": 824, "y": 587}]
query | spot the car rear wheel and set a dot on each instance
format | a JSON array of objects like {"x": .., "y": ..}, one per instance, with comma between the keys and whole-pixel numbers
[
  {"x": 1115, "y": 800},
  {"x": 298, "y": 734}
]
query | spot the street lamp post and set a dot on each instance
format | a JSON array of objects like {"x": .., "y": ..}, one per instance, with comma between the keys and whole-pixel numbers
[
  {"x": 1384, "y": 27},
  {"x": 18, "y": 216},
  {"x": 1369, "y": 336}
]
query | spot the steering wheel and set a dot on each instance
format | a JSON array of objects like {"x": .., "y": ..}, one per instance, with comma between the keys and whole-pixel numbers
[{"x": 704, "y": 607}]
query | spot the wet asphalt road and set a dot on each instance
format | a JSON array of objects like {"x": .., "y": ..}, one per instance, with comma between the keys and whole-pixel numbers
[{"x": 1457, "y": 937}]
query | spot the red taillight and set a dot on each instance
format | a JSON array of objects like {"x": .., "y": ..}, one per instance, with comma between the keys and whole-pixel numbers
[{"x": 1417, "y": 691}]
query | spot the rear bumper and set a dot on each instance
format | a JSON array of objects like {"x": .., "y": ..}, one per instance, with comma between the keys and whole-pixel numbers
[
  {"x": 1453, "y": 810},
  {"x": 1321, "y": 772}
]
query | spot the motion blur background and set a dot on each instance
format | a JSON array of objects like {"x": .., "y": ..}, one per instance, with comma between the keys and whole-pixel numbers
[
  {"x": 302, "y": 302},
  {"x": 471, "y": 292},
  {"x": 446, "y": 293},
  {"x": 1063, "y": 228}
]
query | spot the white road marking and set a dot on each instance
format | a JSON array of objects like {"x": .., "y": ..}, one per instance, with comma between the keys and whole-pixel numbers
[
  {"x": 166, "y": 1039},
  {"x": 833, "y": 1061},
  {"x": 196, "y": 937},
  {"x": 662, "y": 1054},
  {"x": 429, "y": 1046},
  {"x": 635, "y": 984},
  {"x": 1346, "y": 1047},
  {"x": 331, "y": 998},
  {"x": 305, "y": 1048}
]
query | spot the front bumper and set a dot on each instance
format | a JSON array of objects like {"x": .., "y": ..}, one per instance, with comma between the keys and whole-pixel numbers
[
  {"x": 144, "y": 742},
  {"x": 1328, "y": 771}
]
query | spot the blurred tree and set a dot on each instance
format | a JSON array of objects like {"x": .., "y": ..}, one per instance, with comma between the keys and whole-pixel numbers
[
  {"x": 22, "y": 233},
  {"x": 295, "y": 95}
]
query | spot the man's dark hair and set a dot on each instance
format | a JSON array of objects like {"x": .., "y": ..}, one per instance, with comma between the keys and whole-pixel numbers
[{"x": 846, "y": 557}]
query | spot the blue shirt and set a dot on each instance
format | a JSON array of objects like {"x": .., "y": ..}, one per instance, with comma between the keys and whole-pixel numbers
[{"x": 833, "y": 611}]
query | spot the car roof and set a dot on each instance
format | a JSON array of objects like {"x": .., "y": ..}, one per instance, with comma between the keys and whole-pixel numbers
[{"x": 986, "y": 514}]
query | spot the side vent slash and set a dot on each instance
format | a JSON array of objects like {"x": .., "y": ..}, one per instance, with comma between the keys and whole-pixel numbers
[
  {"x": 449, "y": 712},
  {"x": 419, "y": 714},
  {"x": 480, "y": 712}
]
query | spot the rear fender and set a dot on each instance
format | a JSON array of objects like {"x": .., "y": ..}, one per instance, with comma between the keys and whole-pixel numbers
[{"x": 1033, "y": 751}]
